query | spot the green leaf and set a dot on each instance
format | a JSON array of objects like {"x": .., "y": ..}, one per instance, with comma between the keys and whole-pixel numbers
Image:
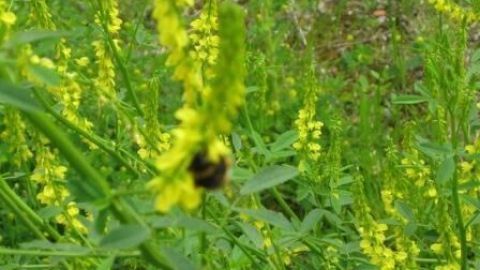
[
  {"x": 259, "y": 144},
  {"x": 177, "y": 260},
  {"x": 83, "y": 191},
  {"x": 125, "y": 236},
  {"x": 47, "y": 245},
  {"x": 269, "y": 177},
  {"x": 18, "y": 97},
  {"x": 101, "y": 221},
  {"x": 236, "y": 141},
  {"x": 471, "y": 200},
  {"x": 183, "y": 221},
  {"x": 408, "y": 99},
  {"x": 284, "y": 141},
  {"x": 49, "y": 211},
  {"x": 474, "y": 219},
  {"x": 252, "y": 233},
  {"x": 239, "y": 173},
  {"x": 433, "y": 150},
  {"x": 271, "y": 217},
  {"x": 251, "y": 89},
  {"x": 282, "y": 154},
  {"x": 311, "y": 219},
  {"x": 45, "y": 75},
  {"x": 195, "y": 224},
  {"x": 410, "y": 229},
  {"x": 445, "y": 170},
  {"x": 33, "y": 36},
  {"x": 106, "y": 264},
  {"x": 404, "y": 210}
]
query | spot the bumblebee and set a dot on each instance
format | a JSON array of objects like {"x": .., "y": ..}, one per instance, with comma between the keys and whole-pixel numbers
[{"x": 209, "y": 174}]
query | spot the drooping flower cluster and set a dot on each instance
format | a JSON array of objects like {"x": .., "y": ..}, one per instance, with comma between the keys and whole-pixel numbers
[
  {"x": 158, "y": 139},
  {"x": 106, "y": 17},
  {"x": 39, "y": 14},
  {"x": 419, "y": 173},
  {"x": 108, "y": 14},
  {"x": 69, "y": 92},
  {"x": 14, "y": 135},
  {"x": 308, "y": 128},
  {"x": 49, "y": 174},
  {"x": 372, "y": 244}
]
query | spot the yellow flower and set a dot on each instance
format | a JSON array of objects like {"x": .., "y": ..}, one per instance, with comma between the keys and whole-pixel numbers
[
  {"x": 180, "y": 191},
  {"x": 466, "y": 166},
  {"x": 437, "y": 248},
  {"x": 432, "y": 192},
  {"x": 8, "y": 18},
  {"x": 471, "y": 149},
  {"x": 82, "y": 62}
]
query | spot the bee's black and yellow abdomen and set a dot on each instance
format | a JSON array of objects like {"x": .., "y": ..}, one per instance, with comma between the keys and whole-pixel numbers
[{"x": 208, "y": 174}]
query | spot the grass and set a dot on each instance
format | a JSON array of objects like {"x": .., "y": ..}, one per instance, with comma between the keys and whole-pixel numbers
[{"x": 336, "y": 134}]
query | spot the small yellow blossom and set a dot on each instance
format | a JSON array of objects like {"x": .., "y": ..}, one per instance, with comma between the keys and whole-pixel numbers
[
  {"x": 82, "y": 62},
  {"x": 437, "y": 248},
  {"x": 8, "y": 18}
]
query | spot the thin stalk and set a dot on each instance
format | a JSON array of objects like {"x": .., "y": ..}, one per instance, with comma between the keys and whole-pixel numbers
[
  {"x": 31, "y": 266},
  {"x": 85, "y": 134},
  {"x": 21, "y": 215},
  {"x": 232, "y": 238},
  {"x": 203, "y": 235},
  {"x": 62, "y": 253},
  {"x": 461, "y": 226},
  {"x": 278, "y": 196},
  {"x": 25, "y": 212},
  {"x": 456, "y": 198}
]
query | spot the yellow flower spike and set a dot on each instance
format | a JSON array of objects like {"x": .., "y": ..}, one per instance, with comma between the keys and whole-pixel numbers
[{"x": 196, "y": 139}]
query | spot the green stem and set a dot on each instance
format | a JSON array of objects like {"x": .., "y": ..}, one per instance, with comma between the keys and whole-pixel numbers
[
  {"x": 61, "y": 253},
  {"x": 203, "y": 235},
  {"x": 85, "y": 134},
  {"x": 20, "y": 214},
  {"x": 25, "y": 213},
  {"x": 32, "y": 266},
  {"x": 456, "y": 198},
  {"x": 242, "y": 247},
  {"x": 278, "y": 196},
  {"x": 461, "y": 226}
]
